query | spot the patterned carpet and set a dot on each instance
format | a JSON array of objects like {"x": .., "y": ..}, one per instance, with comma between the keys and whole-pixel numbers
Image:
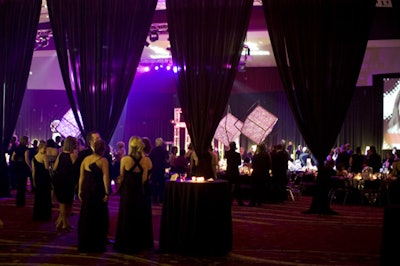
[{"x": 273, "y": 234}]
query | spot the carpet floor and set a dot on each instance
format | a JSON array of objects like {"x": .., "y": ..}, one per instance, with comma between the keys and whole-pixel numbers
[{"x": 273, "y": 234}]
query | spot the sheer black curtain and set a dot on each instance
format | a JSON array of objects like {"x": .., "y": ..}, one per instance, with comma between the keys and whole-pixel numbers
[
  {"x": 18, "y": 26},
  {"x": 319, "y": 47},
  {"x": 99, "y": 45},
  {"x": 207, "y": 39}
]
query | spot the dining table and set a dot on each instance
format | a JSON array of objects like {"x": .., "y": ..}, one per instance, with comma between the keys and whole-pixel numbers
[{"x": 196, "y": 218}]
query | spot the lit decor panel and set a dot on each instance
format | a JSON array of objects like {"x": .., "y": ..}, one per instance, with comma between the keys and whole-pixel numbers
[
  {"x": 258, "y": 124},
  {"x": 228, "y": 129}
]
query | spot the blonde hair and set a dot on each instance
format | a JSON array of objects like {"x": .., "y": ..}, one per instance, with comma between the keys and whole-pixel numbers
[
  {"x": 136, "y": 146},
  {"x": 41, "y": 145}
]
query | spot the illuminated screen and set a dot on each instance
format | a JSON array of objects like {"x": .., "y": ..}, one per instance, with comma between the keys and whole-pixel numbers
[{"x": 391, "y": 113}]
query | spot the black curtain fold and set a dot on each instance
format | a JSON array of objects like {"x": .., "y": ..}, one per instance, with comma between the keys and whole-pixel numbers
[
  {"x": 207, "y": 39},
  {"x": 319, "y": 47},
  {"x": 19, "y": 20},
  {"x": 99, "y": 45}
]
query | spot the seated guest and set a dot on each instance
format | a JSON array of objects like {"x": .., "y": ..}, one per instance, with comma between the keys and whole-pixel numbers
[
  {"x": 181, "y": 163},
  {"x": 388, "y": 162},
  {"x": 341, "y": 170},
  {"x": 304, "y": 156},
  {"x": 246, "y": 166},
  {"x": 172, "y": 157}
]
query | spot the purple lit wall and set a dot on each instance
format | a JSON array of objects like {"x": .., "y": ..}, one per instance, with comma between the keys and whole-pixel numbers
[{"x": 148, "y": 110}]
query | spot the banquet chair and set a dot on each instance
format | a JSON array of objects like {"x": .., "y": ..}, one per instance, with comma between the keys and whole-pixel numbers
[
  {"x": 339, "y": 185},
  {"x": 293, "y": 187},
  {"x": 307, "y": 183},
  {"x": 371, "y": 191}
]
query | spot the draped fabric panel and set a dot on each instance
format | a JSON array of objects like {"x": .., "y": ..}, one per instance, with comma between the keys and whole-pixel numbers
[
  {"x": 99, "y": 45},
  {"x": 207, "y": 39},
  {"x": 319, "y": 47},
  {"x": 18, "y": 26}
]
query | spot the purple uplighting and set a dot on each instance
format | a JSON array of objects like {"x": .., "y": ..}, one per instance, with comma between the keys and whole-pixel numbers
[{"x": 159, "y": 67}]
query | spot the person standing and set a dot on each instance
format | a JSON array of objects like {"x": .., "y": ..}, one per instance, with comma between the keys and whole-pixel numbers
[
  {"x": 374, "y": 160},
  {"x": 279, "y": 168},
  {"x": 357, "y": 161},
  {"x": 64, "y": 181},
  {"x": 134, "y": 226},
  {"x": 52, "y": 153},
  {"x": 233, "y": 161},
  {"x": 261, "y": 165},
  {"x": 33, "y": 149},
  {"x": 159, "y": 158},
  {"x": 93, "y": 192},
  {"x": 91, "y": 138},
  {"x": 41, "y": 181},
  {"x": 120, "y": 152},
  {"x": 12, "y": 179},
  {"x": 22, "y": 166}
]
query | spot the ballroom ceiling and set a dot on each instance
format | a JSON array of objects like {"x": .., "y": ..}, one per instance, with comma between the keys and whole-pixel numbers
[
  {"x": 382, "y": 55},
  {"x": 157, "y": 51},
  {"x": 385, "y": 33}
]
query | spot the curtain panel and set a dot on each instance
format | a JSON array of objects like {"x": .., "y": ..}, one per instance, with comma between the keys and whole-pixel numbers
[
  {"x": 99, "y": 45},
  {"x": 207, "y": 39},
  {"x": 19, "y": 20},
  {"x": 319, "y": 47}
]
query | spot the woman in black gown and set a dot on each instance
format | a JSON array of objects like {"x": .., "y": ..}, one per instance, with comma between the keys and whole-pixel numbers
[
  {"x": 64, "y": 182},
  {"x": 42, "y": 184},
  {"x": 93, "y": 193},
  {"x": 134, "y": 227},
  {"x": 22, "y": 167}
]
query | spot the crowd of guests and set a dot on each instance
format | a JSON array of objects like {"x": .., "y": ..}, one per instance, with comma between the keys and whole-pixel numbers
[
  {"x": 64, "y": 170},
  {"x": 348, "y": 161},
  {"x": 268, "y": 175},
  {"x": 69, "y": 171}
]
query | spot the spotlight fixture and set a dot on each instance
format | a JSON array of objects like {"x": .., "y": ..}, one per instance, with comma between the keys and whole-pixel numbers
[{"x": 153, "y": 35}]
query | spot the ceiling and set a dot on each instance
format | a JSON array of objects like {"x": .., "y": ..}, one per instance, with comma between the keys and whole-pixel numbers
[
  {"x": 384, "y": 34},
  {"x": 257, "y": 39}
]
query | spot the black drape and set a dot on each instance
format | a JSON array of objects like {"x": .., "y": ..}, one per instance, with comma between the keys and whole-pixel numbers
[
  {"x": 18, "y": 26},
  {"x": 207, "y": 39},
  {"x": 99, "y": 45},
  {"x": 319, "y": 47}
]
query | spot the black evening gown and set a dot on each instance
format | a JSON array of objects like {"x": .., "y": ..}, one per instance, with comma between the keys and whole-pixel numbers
[
  {"x": 94, "y": 217},
  {"x": 134, "y": 227},
  {"x": 42, "y": 202},
  {"x": 65, "y": 179}
]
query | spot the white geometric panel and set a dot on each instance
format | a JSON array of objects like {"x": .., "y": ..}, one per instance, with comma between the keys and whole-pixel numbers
[
  {"x": 228, "y": 129},
  {"x": 258, "y": 124},
  {"x": 68, "y": 126}
]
